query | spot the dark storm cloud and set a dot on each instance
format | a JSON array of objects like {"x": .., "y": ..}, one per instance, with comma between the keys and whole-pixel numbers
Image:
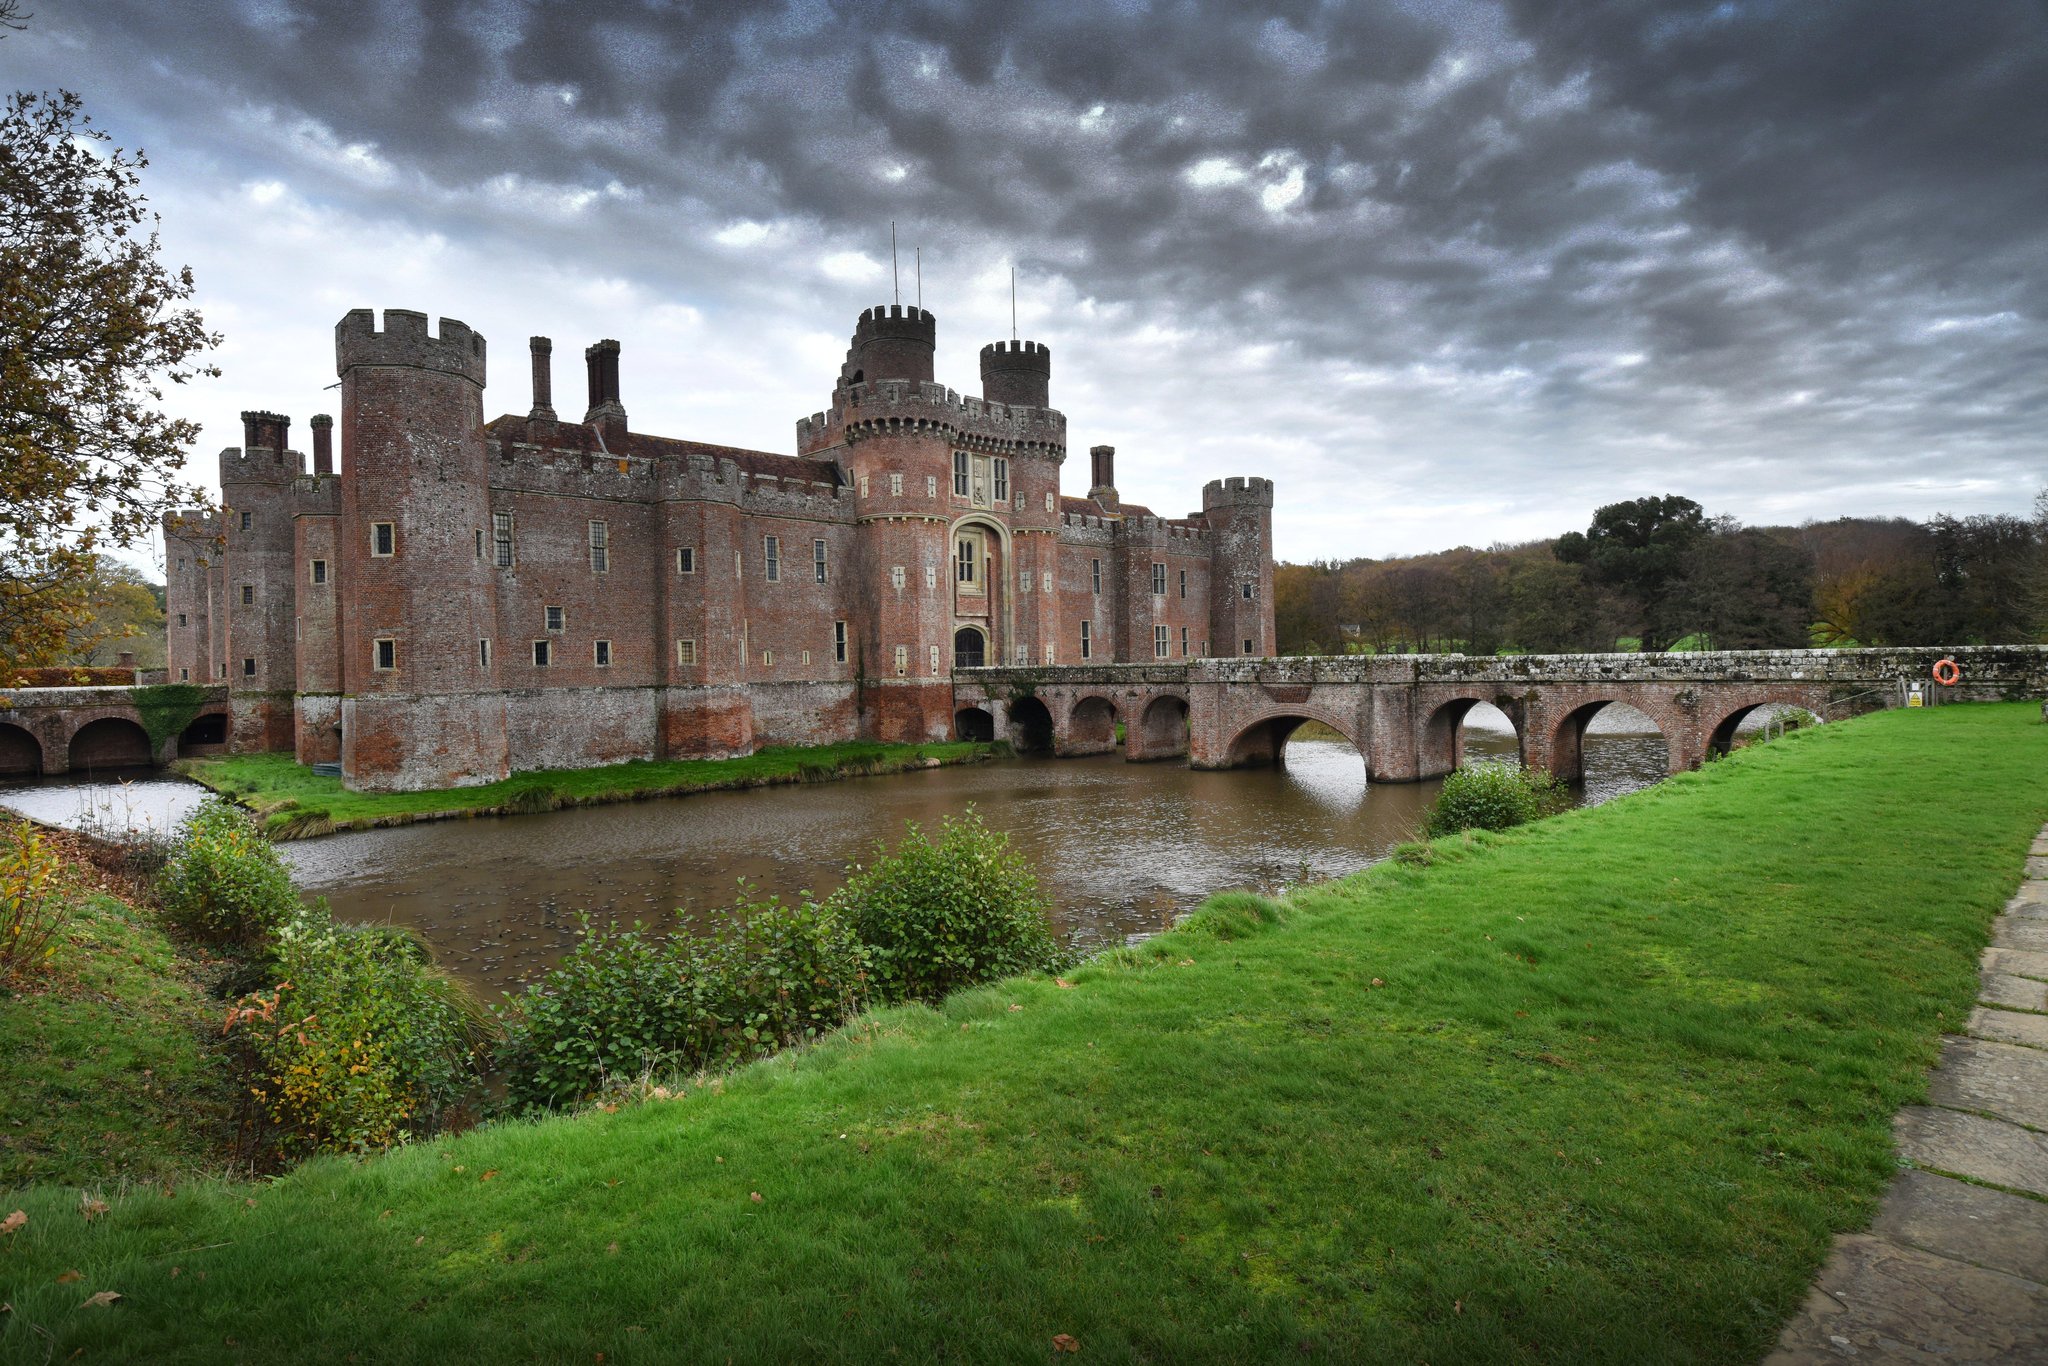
[{"x": 1731, "y": 230}]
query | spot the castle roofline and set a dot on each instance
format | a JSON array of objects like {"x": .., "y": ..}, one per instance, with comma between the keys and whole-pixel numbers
[{"x": 574, "y": 436}]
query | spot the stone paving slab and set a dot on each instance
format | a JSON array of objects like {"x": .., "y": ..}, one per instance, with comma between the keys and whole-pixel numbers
[
  {"x": 2017, "y": 909},
  {"x": 1973, "y": 1146},
  {"x": 2014, "y": 993},
  {"x": 1998, "y": 1078},
  {"x": 2037, "y": 865},
  {"x": 2014, "y": 932},
  {"x": 1974, "y": 1224},
  {"x": 2019, "y": 962},
  {"x": 1878, "y": 1301},
  {"x": 2033, "y": 892},
  {"x": 2010, "y": 1026}
]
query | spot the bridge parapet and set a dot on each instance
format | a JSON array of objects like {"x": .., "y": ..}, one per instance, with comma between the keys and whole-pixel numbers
[{"x": 54, "y": 730}]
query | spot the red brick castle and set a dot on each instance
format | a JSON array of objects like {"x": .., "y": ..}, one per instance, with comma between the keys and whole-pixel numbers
[{"x": 464, "y": 599}]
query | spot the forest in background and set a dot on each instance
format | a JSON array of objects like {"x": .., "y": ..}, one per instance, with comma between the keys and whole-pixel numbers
[{"x": 1660, "y": 573}]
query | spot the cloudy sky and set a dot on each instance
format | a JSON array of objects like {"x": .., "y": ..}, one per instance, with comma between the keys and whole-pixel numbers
[{"x": 1448, "y": 272}]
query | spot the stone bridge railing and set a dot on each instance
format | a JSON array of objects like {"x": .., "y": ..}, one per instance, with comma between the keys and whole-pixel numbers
[
  {"x": 1405, "y": 712},
  {"x": 57, "y": 730}
]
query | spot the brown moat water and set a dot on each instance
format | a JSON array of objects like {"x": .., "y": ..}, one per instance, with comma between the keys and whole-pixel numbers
[{"x": 1121, "y": 849}]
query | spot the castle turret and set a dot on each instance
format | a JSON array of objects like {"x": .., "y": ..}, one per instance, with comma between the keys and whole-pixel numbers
[
  {"x": 1240, "y": 517},
  {"x": 421, "y": 706},
  {"x": 254, "y": 630},
  {"x": 1017, "y": 372},
  {"x": 891, "y": 342}
]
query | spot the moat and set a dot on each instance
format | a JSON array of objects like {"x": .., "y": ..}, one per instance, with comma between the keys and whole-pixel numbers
[{"x": 1121, "y": 849}]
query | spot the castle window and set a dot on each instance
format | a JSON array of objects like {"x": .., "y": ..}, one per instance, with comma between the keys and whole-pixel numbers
[
  {"x": 1245, "y": 591},
  {"x": 686, "y": 652},
  {"x": 1051, "y": 653},
  {"x": 959, "y": 474},
  {"x": 768, "y": 659},
  {"x": 1247, "y": 645},
  {"x": 966, "y": 563},
  {"x": 383, "y": 539},
  {"x": 1203, "y": 652},
  {"x": 386, "y": 655},
  {"x": 1087, "y": 640},
  {"x": 1045, "y": 581},
  {"x": 1183, "y": 589},
  {"x": 543, "y": 652},
  {"x": 184, "y": 675},
  {"x": 896, "y": 577},
  {"x": 1095, "y": 577},
  {"x": 553, "y": 617},
  {"x": 181, "y": 565},
  {"x": 601, "y": 653},
  {"x": 931, "y": 486},
  {"x": 806, "y": 658},
  {"x": 479, "y": 543},
  {"x": 686, "y": 560},
  {"x": 818, "y": 561},
  {"x": 895, "y": 486},
  {"x": 248, "y": 668},
  {"x": 501, "y": 538},
  {"x": 248, "y": 595},
  {"x": 902, "y": 660},
  {"x": 600, "y": 548},
  {"x": 181, "y": 618},
  {"x": 245, "y": 521},
  {"x": 1001, "y": 469},
  {"x": 319, "y": 571},
  {"x": 1158, "y": 580},
  {"x": 483, "y": 654},
  {"x": 1160, "y": 645},
  {"x": 771, "y": 557},
  {"x": 1183, "y": 642},
  {"x": 839, "y": 642}
]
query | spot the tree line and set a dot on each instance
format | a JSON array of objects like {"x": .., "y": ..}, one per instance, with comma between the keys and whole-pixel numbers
[{"x": 1660, "y": 573}]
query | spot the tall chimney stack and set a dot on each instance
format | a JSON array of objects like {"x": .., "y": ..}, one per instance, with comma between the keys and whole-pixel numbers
[
  {"x": 323, "y": 443},
  {"x": 543, "y": 378},
  {"x": 1102, "y": 472},
  {"x": 606, "y": 413}
]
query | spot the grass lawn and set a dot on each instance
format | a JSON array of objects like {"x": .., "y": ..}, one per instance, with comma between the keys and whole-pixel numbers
[
  {"x": 296, "y": 803},
  {"x": 1598, "y": 1090},
  {"x": 106, "y": 1071}
]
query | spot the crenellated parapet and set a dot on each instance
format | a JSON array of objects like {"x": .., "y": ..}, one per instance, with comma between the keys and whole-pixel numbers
[
  {"x": 1237, "y": 492},
  {"x": 896, "y": 407},
  {"x": 404, "y": 341},
  {"x": 1018, "y": 372}
]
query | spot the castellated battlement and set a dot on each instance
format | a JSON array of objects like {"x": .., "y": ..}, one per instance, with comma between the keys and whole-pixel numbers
[
  {"x": 894, "y": 405},
  {"x": 896, "y": 321},
  {"x": 1237, "y": 491},
  {"x": 316, "y": 495},
  {"x": 405, "y": 342},
  {"x": 260, "y": 465},
  {"x": 1017, "y": 372}
]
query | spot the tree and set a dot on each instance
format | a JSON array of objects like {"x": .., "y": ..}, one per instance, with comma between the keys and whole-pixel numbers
[
  {"x": 1639, "y": 549},
  {"x": 1749, "y": 590},
  {"x": 92, "y": 328}
]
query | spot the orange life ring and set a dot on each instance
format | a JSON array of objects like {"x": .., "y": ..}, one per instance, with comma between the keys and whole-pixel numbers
[{"x": 1948, "y": 673}]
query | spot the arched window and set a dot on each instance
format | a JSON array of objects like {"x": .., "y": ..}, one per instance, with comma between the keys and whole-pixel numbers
[
  {"x": 970, "y": 650},
  {"x": 967, "y": 561}
]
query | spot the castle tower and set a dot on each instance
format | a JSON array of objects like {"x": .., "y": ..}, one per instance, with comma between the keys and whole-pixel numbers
[
  {"x": 254, "y": 630},
  {"x": 1240, "y": 517},
  {"x": 891, "y": 342},
  {"x": 421, "y": 705},
  {"x": 1017, "y": 372}
]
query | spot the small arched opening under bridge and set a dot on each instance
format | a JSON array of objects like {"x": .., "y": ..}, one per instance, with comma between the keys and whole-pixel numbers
[
  {"x": 1466, "y": 730},
  {"x": 1162, "y": 729},
  {"x": 1091, "y": 727},
  {"x": 111, "y": 742},
  {"x": 1611, "y": 748},
  {"x": 972, "y": 723},
  {"x": 1746, "y": 723},
  {"x": 21, "y": 754},
  {"x": 1030, "y": 726}
]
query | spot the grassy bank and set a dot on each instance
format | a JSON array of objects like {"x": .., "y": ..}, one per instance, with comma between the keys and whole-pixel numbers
[
  {"x": 1599, "y": 1089},
  {"x": 296, "y": 803},
  {"x": 109, "y": 1071}
]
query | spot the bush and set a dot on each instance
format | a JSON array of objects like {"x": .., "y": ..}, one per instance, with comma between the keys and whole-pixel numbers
[
  {"x": 939, "y": 916},
  {"x": 1493, "y": 797},
  {"x": 224, "y": 882},
  {"x": 34, "y": 900},
  {"x": 364, "y": 1043},
  {"x": 626, "y": 1004}
]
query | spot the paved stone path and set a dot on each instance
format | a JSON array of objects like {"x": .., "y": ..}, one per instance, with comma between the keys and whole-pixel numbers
[{"x": 1955, "y": 1271}]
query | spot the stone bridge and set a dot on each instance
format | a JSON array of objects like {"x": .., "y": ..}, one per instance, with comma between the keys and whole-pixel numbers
[
  {"x": 1406, "y": 713},
  {"x": 57, "y": 730}
]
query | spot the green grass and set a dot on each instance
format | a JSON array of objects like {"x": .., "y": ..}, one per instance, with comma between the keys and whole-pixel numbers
[
  {"x": 297, "y": 804},
  {"x": 1599, "y": 1089},
  {"x": 108, "y": 1071}
]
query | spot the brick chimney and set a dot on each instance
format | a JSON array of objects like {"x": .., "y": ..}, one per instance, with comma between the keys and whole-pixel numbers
[
  {"x": 606, "y": 413},
  {"x": 1102, "y": 475},
  {"x": 543, "y": 378},
  {"x": 323, "y": 443}
]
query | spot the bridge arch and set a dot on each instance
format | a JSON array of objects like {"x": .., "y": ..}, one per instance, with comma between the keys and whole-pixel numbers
[
  {"x": 1721, "y": 736},
  {"x": 1441, "y": 745},
  {"x": 1091, "y": 726},
  {"x": 1029, "y": 729},
  {"x": 973, "y": 723},
  {"x": 20, "y": 752},
  {"x": 1162, "y": 731},
  {"x": 1568, "y": 738},
  {"x": 111, "y": 742},
  {"x": 1262, "y": 742},
  {"x": 206, "y": 730}
]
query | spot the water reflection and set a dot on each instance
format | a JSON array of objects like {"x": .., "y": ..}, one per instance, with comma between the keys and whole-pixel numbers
[{"x": 1121, "y": 849}]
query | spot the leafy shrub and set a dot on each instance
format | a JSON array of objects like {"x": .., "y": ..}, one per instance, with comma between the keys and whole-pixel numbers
[
  {"x": 224, "y": 881},
  {"x": 939, "y": 916},
  {"x": 34, "y": 900},
  {"x": 1493, "y": 797},
  {"x": 626, "y": 1003},
  {"x": 364, "y": 1043}
]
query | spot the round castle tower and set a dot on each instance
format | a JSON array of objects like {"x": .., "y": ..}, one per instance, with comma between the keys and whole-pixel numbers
[
  {"x": 891, "y": 342},
  {"x": 1017, "y": 372},
  {"x": 421, "y": 706}
]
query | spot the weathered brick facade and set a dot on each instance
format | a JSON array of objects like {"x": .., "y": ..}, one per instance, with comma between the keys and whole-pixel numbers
[{"x": 466, "y": 599}]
